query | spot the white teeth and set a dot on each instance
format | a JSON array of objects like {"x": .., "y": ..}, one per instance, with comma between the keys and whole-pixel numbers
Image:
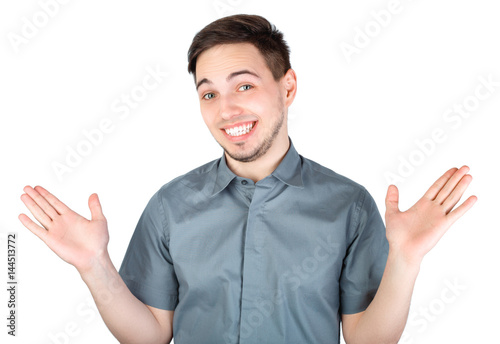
[{"x": 241, "y": 130}]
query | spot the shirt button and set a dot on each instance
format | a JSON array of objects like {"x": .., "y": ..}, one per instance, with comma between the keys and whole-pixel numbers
[{"x": 244, "y": 182}]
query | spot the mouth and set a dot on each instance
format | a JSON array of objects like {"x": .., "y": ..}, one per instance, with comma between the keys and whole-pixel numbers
[{"x": 239, "y": 132}]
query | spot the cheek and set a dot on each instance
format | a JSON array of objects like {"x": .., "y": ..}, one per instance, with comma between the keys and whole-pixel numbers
[
  {"x": 267, "y": 107},
  {"x": 208, "y": 114},
  {"x": 262, "y": 105}
]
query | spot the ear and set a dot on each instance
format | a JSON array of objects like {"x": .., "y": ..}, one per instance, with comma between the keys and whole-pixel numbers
[{"x": 289, "y": 83}]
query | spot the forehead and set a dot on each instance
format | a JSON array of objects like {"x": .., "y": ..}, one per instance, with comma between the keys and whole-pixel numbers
[{"x": 222, "y": 60}]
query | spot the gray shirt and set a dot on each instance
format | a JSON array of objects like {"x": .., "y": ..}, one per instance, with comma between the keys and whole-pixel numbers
[{"x": 275, "y": 261}]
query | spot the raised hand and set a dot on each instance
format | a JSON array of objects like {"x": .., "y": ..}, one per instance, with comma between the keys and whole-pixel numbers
[
  {"x": 75, "y": 239},
  {"x": 416, "y": 231}
]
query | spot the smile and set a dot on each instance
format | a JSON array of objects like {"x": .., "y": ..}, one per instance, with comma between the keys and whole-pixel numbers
[{"x": 240, "y": 130}]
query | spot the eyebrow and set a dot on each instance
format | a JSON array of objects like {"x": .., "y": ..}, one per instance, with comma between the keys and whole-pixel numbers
[{"x": 229, "y": 77}]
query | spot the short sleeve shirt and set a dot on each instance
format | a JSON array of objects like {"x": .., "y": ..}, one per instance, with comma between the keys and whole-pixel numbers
[{"x": 277, "y": 261}]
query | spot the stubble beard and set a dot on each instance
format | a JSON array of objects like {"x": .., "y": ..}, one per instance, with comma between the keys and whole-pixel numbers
[{"x": 262, "y": 148}]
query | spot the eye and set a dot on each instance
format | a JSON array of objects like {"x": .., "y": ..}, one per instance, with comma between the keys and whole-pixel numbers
[
  {"x": 245, "y": 87},
  {"x": 208, "y": 96}
]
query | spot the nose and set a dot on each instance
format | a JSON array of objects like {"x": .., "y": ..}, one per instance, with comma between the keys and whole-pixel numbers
[{"x": 229, "y": 106}]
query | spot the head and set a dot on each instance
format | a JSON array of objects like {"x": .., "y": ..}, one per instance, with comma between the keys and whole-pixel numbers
[
  {"x": 244, "y": 79},
  {"x": 243, "y": 28}
]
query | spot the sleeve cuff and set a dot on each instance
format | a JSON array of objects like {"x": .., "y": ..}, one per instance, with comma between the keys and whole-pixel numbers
[{"x": 152, "y": 297}]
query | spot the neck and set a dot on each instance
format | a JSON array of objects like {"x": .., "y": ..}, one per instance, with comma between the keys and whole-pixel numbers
[{"x": 263, "y": 166}]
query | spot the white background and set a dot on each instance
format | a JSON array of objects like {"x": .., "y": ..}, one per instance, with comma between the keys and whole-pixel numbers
[{"x": 358, "y": 118}]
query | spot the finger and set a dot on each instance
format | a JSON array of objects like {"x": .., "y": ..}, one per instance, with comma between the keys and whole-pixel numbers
[
  {"x": 59, "y": 206},
  {"x": 95, "y": 207},
  {"x": 37, "y": 212},
  {"x": 462, "y": 209},
  {"x": 438, "y": 184},
  {"x": 457, "y": 193},
  {"x": 450, "y": 184},
  {"x": 41, "y": 202},
  {"x": 392, "y": 200},
  {"x": 33, "y": 227}
]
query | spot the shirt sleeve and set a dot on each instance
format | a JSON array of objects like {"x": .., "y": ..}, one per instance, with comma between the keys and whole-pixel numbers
[
  {"x": 147, "y": 268},
  {"x": 366, "y": 256}
]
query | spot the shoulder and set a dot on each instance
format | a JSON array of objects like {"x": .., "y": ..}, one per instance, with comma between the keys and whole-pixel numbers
[
  {"x": 195, "y": 181},
  {"x": 317, "y": 176}
]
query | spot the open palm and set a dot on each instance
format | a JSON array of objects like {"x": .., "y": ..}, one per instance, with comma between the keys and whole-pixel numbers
[
  {"x": 416, "y": 231},
  {"x": 75, "y": 239}
]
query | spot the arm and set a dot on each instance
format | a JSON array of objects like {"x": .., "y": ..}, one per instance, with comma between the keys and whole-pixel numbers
[
  {"x": 83, "y": 244},
  {"x": 127, "y": 318},
  {"x": 411, "y": 234}
]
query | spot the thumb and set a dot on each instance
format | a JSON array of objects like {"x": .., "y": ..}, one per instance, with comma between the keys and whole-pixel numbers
[
  {"x": 392, "y": 200},
  {"x": 95, "y": 207}
]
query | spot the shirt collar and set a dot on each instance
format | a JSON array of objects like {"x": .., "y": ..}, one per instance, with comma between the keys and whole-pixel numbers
[
  {"x": 223, "y": 176},
  {"x": 289, "y": 171}
]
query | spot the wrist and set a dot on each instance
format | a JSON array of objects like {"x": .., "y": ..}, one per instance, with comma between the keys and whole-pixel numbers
[
  {"x": 95, "y": 266},
  {"x": 403, "y": 261}
]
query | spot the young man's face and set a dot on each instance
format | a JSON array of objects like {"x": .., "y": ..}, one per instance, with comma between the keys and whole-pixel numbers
[{"x": 244, "y": 108}]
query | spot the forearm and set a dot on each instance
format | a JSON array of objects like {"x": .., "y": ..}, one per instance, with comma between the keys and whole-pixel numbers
[
  {"x": 385, "y": 318},
  {"x": 128, "y": 319}
]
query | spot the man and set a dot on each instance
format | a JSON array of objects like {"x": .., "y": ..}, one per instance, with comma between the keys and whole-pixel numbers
[{"x": 261, "y": 245}]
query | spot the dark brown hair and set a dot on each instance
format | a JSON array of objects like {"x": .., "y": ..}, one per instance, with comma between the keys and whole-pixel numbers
[{"x": 244, "y": 28}]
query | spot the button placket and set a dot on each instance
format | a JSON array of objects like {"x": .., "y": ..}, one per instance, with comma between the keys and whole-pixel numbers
[{"x": 253, "y": 268}]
